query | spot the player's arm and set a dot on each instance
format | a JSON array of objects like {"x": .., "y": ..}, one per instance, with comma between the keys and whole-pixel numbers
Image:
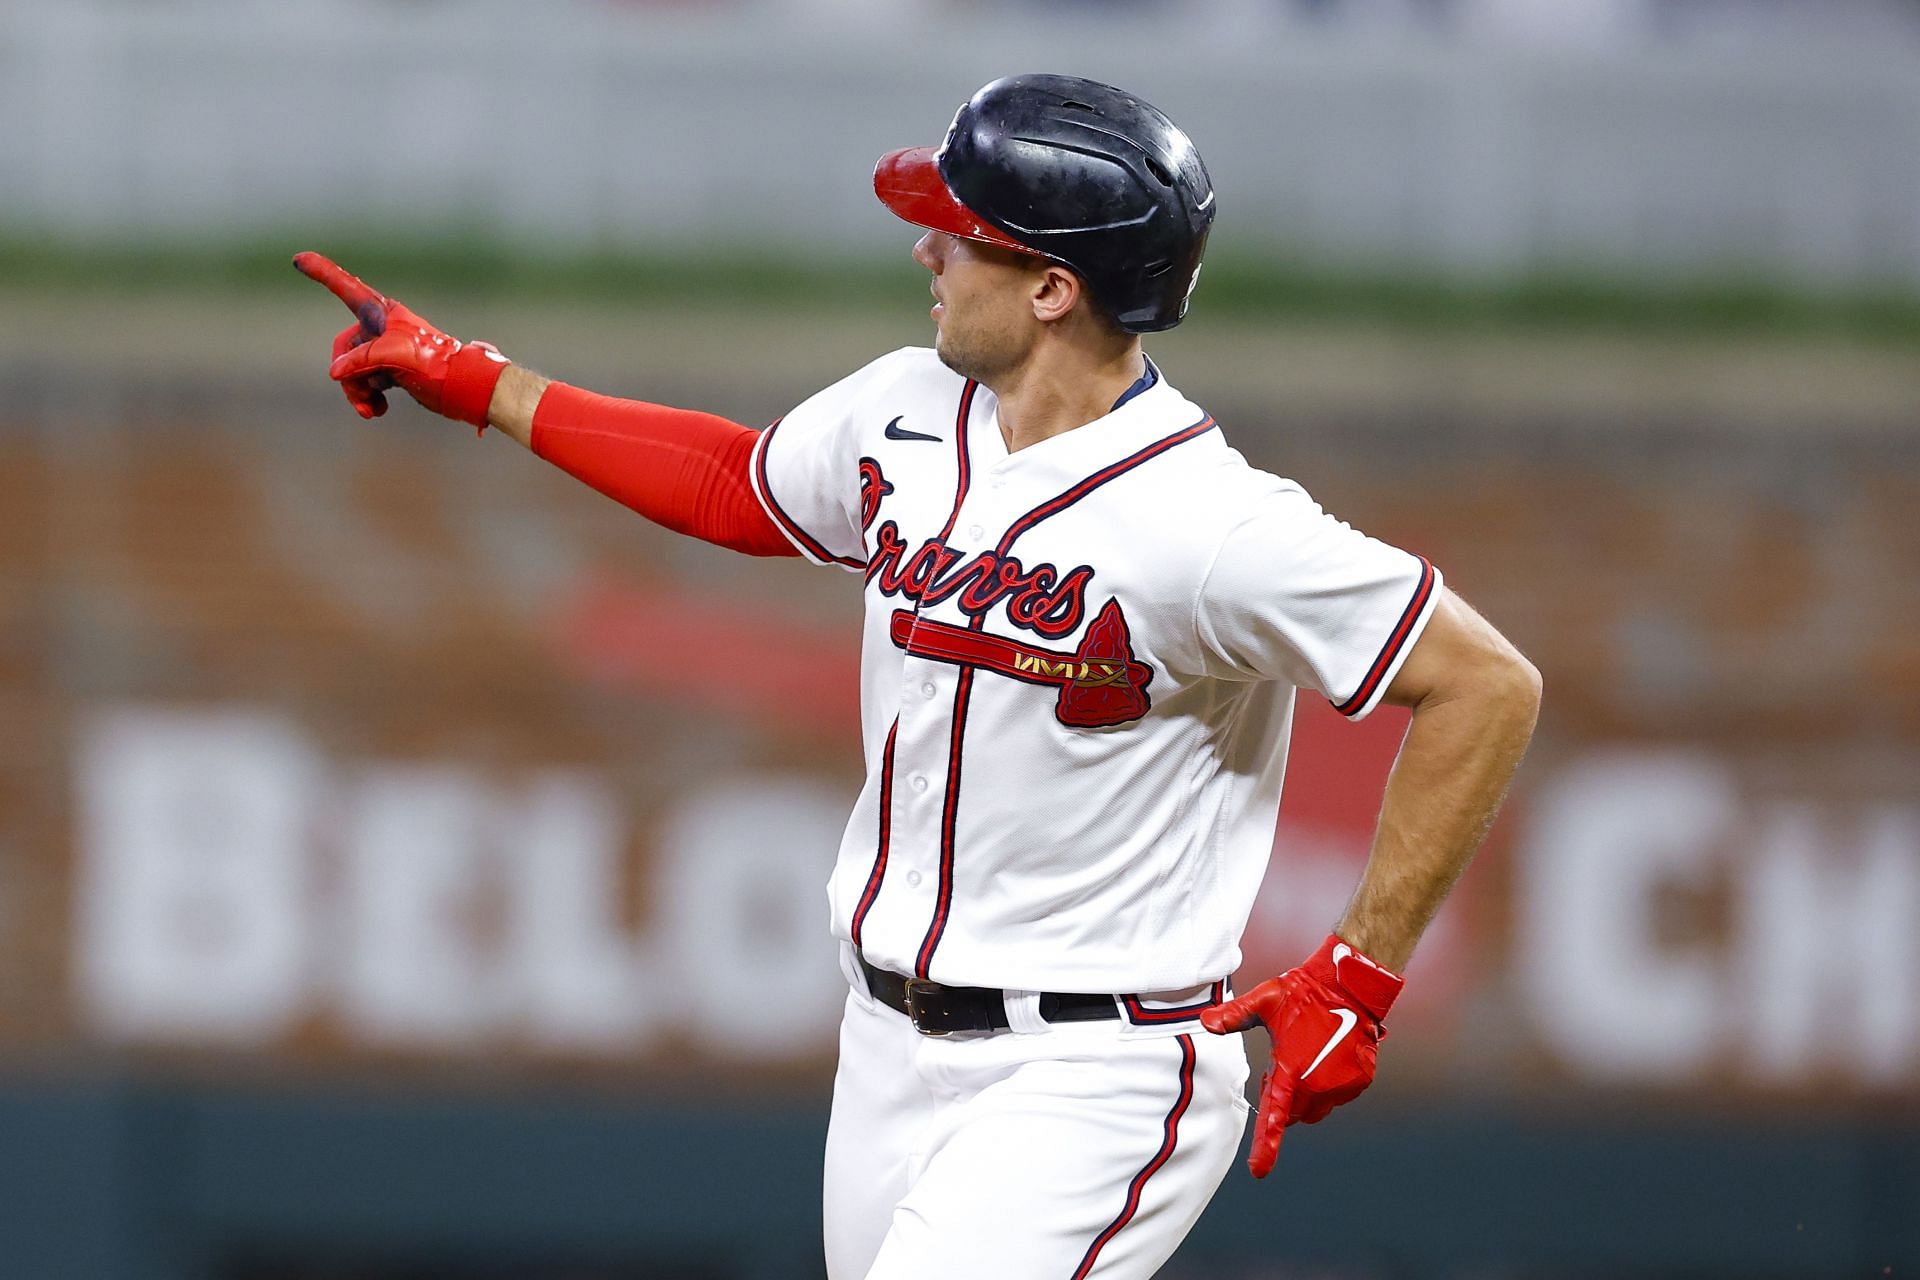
[
  {"x": 1474, "y": 700},
  {"x": 685, "y": 470}
]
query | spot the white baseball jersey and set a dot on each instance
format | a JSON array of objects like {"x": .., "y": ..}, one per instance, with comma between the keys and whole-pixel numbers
[{"x": 1078, "y": 674}]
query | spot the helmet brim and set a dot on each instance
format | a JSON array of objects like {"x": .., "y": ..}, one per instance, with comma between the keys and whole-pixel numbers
[{"x": 908, "y": 182}]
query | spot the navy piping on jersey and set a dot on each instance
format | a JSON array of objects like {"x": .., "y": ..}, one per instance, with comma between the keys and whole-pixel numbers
[
  {"x": 1170, "y": 1138},
  {"x": 949, "y": 816},
  {"x": 963, "y": 464},
  {"x": 879, "y": 871},
  {"x": 806, "y": 540},
  {"x": 1055, "y": 505},
  {"x": 1141, "y": 383},
  {"x": 963, "y": 472},
  {"x": 1422, "y": 590},
  {"x": 1141, "y": 1016}
]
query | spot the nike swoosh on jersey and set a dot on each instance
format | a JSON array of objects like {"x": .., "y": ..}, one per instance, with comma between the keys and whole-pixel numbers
[
  {"x": 897, "y": 432},
  {"x": 1347, "y": 1020}
]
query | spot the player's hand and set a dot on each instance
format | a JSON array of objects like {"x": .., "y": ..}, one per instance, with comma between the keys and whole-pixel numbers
[
  {"x": 1326, "y": 1021},
  {"x": 389, "y": 346}
]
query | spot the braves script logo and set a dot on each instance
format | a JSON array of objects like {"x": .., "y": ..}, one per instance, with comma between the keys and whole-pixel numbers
[
  {"x": 873, "y": 487},
  {"x": 1101, "y": 683},
  {"x": 1040, "y": 599}
]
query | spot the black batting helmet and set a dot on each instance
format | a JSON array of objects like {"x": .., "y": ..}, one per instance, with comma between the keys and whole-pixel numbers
[{"x": 1076, "y": 171}]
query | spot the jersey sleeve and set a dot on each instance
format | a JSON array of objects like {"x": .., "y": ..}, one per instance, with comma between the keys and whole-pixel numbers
[
  {"x": 806, "y": 470},
  {"x": 1294, "y": 594}
]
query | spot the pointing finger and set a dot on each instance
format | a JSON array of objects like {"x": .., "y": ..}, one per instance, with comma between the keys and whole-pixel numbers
[{"x": 349, "y": 288}]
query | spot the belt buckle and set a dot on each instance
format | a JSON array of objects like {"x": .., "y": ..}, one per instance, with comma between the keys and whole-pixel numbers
[{"x": 916, "y": 987}]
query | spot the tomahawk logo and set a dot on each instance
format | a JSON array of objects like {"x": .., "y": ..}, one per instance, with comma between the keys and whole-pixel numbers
[{"x": 1101, "y": 683}]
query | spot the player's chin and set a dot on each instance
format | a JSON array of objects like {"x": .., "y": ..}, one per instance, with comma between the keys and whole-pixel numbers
[
  {"x": 957, "y": 359},
  {"x": 969, "y": 352},
  {"x": 943, "y": 347}
]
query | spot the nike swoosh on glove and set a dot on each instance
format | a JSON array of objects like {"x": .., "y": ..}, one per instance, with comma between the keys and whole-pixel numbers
[{"x": 1326, "y": 1018}]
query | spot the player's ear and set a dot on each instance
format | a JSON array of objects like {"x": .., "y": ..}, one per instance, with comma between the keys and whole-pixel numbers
[{"x": 1055, "y": 291}]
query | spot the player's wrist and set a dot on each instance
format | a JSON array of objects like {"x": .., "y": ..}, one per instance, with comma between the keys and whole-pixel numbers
[
  {"x": 1344, "y": 967},
  {"x": 517, "y": 398},
  {"x": 473, "y": 373}
]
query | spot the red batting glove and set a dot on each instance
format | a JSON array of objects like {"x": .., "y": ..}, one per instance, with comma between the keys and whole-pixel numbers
[
  {"x": 1325, "y": 1018},
  {"x": 391, "y": 346}
]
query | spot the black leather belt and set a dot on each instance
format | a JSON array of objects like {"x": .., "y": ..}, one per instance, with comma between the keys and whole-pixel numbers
[{"x": 939, "y": 1010}]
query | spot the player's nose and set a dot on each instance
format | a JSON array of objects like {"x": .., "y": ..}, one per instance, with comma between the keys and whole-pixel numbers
[{"x": 929, "y": 251}]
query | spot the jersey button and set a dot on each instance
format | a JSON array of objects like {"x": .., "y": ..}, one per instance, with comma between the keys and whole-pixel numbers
[
  {"x": 976, "y": 533},
  {"x": 927, "y": 688},
  {"x": 919, "y": 782},
  {"x": 913, "y": 878}
]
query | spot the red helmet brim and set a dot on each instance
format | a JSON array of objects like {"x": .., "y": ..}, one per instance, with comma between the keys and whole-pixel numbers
[{"x": 908, "y": 182}]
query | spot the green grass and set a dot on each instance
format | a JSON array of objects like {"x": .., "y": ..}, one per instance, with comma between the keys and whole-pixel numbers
[{"x": 1234, "y": 287}]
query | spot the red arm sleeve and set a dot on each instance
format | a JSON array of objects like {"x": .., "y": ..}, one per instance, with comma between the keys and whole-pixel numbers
[{"x": 679, "y": 468}]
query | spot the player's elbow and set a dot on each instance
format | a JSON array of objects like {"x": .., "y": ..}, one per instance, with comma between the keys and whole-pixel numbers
[
  {"x": 1524, "y": 679},
  {"x": 1512, "y": 685},
  {"x": 1461, "y": 657},
  {"x": 1491, "y": 672}
]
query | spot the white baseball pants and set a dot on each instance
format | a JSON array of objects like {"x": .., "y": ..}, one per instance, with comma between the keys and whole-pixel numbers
[{"x": 1045, "y": 1152}]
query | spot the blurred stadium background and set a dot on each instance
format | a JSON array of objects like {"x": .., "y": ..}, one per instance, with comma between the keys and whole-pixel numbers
[{"x": 411, "y": 863}]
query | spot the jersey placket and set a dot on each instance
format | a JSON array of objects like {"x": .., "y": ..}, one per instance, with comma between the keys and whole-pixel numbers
[
  {"x": 975, "y": 525},
  {"x": 919, "y": 746}
]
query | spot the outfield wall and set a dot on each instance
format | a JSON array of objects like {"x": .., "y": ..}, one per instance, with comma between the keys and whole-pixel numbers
[{"x": 112, "y": 1180}]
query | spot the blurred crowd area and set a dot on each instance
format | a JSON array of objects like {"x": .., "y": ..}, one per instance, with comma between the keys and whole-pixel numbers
[
  {"x": 262, "y": 657},
  {"x": 391, "y": 830},
  {"x": 399, "y": 828}
]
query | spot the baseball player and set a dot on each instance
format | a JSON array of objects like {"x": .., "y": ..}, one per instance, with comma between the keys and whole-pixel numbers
[{"x": 1086, "y": 621}]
